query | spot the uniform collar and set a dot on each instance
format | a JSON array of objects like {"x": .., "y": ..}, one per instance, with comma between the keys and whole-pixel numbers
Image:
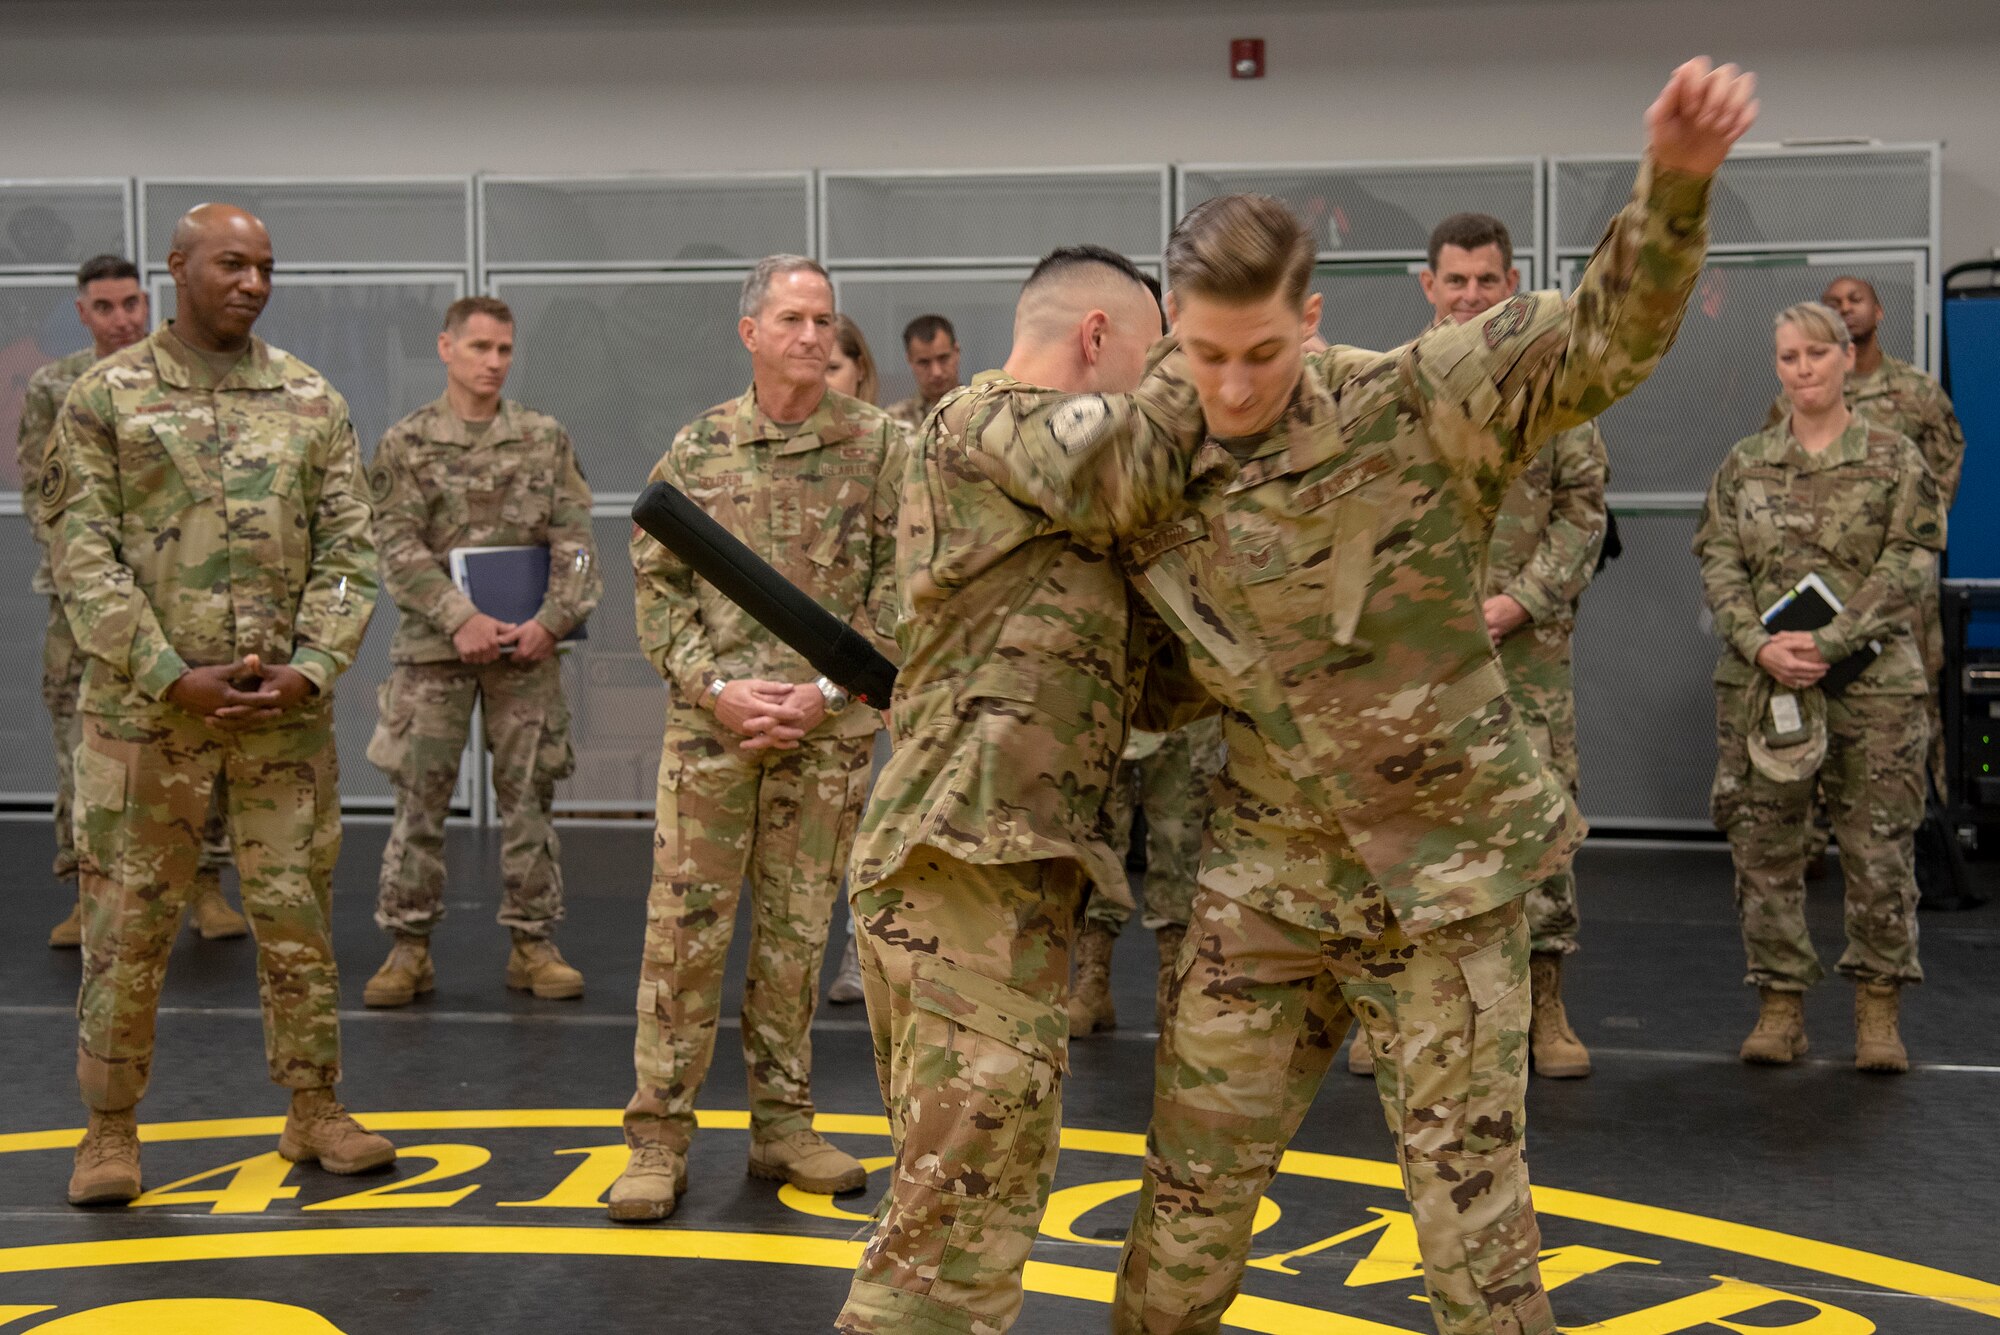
[
  {"x": 447, "y": 428},
  {"x": 1849, "y": 447},
  {"x": 181, "y": 368},
  {"x": 1287, "y": 447},
  {"x": 832, "y": 421}
]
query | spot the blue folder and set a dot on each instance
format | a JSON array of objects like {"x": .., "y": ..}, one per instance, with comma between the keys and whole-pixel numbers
[{"x": 506, "y": 583}]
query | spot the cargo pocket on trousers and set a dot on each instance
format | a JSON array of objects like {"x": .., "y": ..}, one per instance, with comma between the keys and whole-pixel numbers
[
  {"x": 1496, "y": 1218},
  {"x": 986, "y": 1059},
  {"x": 555, "y": 758},
  {"x": 389, "y": 745},
  {"x": 97, "y": 818}
]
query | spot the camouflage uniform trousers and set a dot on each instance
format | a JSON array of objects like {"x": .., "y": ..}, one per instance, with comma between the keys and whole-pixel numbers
[
  {"x": 1172, "y": 787},
  {"x": 1873, "y": 781},
  {"x": 1549, "y": 712},
  {"x": 144, "y": 788},
  {"x": 424, "y": 716},
  {"x": 62, "y": 679},
  {"x": 786, "y": 819},
  {"x": 1262, "y": 1007},
  {"x": 966, "y": 971}
]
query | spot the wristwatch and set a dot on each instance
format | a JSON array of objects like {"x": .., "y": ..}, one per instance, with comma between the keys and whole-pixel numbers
[
  {"x": 836, "y": 699},
  {"x": 714, "y": 693}
]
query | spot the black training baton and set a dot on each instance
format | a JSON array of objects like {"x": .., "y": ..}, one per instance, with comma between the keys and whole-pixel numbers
[{"x": 780, "y": 606}]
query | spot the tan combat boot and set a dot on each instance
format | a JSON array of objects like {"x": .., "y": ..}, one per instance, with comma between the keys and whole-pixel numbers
[
  {"x": 406, "y": 975},
  {"x": 1780, "y": 1034},
  {"x": 535, "y": 965},
  {"x": 214, "y": 919},
  {"x": 808, "y": 1162},
  {"x": 318, "y": 1128},
  {"x": 1558, "y": 1053},
  {"x": 846, "y": 987},
  {"x": 68, "y": 933},
  {"x": 1169, "y": 938},
  {"x": 1090, "y": 993},
  {"x": 650, "y": 1187},
  {"x": 107, "y": 1161},
  {"x": 1878, "y": 1046},
  {"x": 1360, "y": 1055}
]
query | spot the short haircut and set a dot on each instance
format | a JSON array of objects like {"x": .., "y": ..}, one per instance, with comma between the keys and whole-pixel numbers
[
  {"x": 854, "y": 344},
  {"x": 1065, "y": 260},
  {"x": 757, "y": 287},
  {"x": 100, "y": 267},
  {"x": 1471, "y": 231},
  {"x": 1873, "y": 295},
  {"x": 1816, "y": 322},
  {"x": 456, "y": 314},
  {"x": 927, "y": 327},
  {"x": 1240, "y": 248}
]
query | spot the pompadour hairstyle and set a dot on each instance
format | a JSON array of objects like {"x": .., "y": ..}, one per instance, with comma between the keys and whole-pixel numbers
[{"x": 1240, "y": 248}]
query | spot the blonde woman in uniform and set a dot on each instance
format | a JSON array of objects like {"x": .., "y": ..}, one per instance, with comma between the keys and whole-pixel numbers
[{"x": 1824, "y": 491}]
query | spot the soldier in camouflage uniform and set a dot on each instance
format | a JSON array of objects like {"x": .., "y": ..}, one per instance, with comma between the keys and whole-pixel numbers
[
  {"x": 112, "y": 306},
  {"x": 1167, "y": 776},
  {"x": 930, "y": 345},
  {"x": 210, "y": 541},
  {"x": 986, "y": 824},
  {"x": 475, "y": 470},
  {"x": 1830, "y": 492},
  {"x": 1382, "y": 810},
  {"x": 1892, "y": 393},
  {"x": 763, "y": 769},
  {"x": 1546, "y": 541}
]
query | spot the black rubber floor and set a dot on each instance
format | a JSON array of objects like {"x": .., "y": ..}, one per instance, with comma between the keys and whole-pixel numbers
[{"x": 1678, "y": 1189}]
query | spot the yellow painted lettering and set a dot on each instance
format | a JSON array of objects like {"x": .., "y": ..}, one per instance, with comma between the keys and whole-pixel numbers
[
  {"x": 586, "y": 1184},
  {"x": 447, "y": 1161},
  {"x": 1068, "y": 1206},
  {"x": 1566, "y": 1265},
  {"x": 1730, "y": 1297},
  {"x": 812, "y": 1203},
  {"x": 1384, "y": 1222},
  {"x": 253, "y": 1184}
]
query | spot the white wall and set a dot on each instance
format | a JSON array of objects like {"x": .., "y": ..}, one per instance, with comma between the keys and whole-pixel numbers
[{"x": 451, "y": 86}]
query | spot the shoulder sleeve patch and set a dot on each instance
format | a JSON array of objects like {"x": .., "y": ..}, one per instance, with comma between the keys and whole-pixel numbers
[
  {"x": 1077, "y": 423},
  {"x": 57, "y": 488},
  {"x": 1509, "y": 320},
  {"x": 381, "y": 483}
]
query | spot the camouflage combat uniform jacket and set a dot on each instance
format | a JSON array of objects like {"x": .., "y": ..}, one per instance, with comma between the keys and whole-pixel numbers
[
  {"x": 435, "y": 489},
  {"x": 47, "y": 388},
  {"x": 1329, "y": 584},
  {"x": 1019, "y": 653},
  {"x": 1899, "y": 396},
  {"x": 1865, "y": 513},
  {"x": 1546, "y": 540},
  {"x": 194, "y": 522},
  {"x": 819, "y": 504}
]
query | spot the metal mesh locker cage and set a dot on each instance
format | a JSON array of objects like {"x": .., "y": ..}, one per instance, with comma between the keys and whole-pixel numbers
[
  {"x": 54, "y": 226},
  {"x": 1386, "y": 209},
  {"x": 624, "y": 360},
  {"x": 617, "y": 702},
  {"x": 643, "y": 222},
  {"x": 422, "y": 223},
  {"x": 959, "y": 218}
]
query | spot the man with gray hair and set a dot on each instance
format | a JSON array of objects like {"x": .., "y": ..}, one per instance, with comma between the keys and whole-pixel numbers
[{"x": 764, "y": 767}]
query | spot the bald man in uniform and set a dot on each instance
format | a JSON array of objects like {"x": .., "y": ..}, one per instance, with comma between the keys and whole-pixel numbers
[{"x": 210, "y": 539}]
